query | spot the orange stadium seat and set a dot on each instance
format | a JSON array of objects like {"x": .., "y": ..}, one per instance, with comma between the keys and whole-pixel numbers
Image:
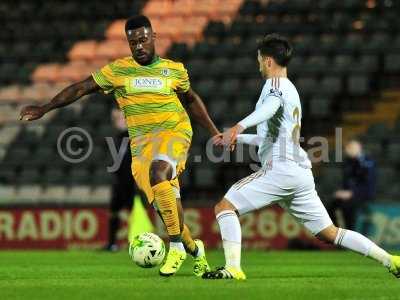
[
  {"x": 228, "y": 9},
  {"x": 162, "y": 45},
  {"x": 84, "y": 50},
  {"x": 182, "y": 8},
  {"x": 194, "y": 27},
  {"x": 175, "y": 24},
  {"x": 116, "y": 30},
  {"x": 74, "y": 71},
  {"x": 112, "y": 49},
  {"x": 46, "y": 73},
  {"x": 36, "y": 92},
  {"x": 98, "y": 63},
  {"x": 11, "y": 92},
  {"x": 205, "y": 8},
  {"x": 157, "y": 8}
]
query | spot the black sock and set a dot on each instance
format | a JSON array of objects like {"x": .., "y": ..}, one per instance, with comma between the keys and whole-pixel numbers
[{"x": 113, "y": 225}]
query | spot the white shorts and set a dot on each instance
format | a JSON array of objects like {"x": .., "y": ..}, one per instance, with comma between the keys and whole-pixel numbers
[{"x": 287, "y": 184}]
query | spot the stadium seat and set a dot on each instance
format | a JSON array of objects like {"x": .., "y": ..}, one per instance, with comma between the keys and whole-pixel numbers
[
  {"x": 204, "y": 176},
  {"x": 77, "y": 194},
  {"x": 393, "y": 150},
  {"x": 315, "y": 65},
  {"x": 28, "y": 194},
  {"x": 215, "y": 29},
  {"x": 228, "y": 88},
  {"x": 7, "y": 194},
  {"x": 366, "y": 64},
  {"x": 201, "y": 50},
  {"x": 377, "y": 43},
  {"x": 85, "y": 50},
  {"x": 392, "y": 63},
  {"x": 196, "y": 68},
  {"x": 342, "y": 64},
  {"x": 101, "y": 195},
  {"x": 220, "y": 67},
  {"x": 218, "y": 106},
  {"x": 320, "y": 106},
  {"x": 306, "y": 86},
  {"x": 205, "y": 88},
  {"x": 243, "y": 67},
  {"x": 116, "y": 30},
  {"x": 46, "y": 73},
  {"x": 352, "y": 43},
  {"x": 358, "y": 85},
  {"x": 178, "y": 51},
  {"x": 112, "y": 49},
  {"x": 53, "y": 194},
  {"x": 330, "y": 85}
]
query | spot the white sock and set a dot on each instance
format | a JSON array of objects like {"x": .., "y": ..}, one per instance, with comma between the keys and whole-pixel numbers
[
  {"x": 231, "y": 234},
  {"x": 199, "y": 252},
  {"x": 177, "y": 245},
  {"x": 357, "y": 242}
]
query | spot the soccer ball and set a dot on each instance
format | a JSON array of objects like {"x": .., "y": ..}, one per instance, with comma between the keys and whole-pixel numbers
[{"x": 147, "y": 250}]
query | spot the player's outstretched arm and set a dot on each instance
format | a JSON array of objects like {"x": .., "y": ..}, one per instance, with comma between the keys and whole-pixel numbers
[
  {"x": 261, "y": 114},
  {"x": 198, "y": 110},
  {"x": 67, "y": 96}
]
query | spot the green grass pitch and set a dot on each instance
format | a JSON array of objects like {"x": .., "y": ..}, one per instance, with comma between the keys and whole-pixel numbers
[{"x": 271, "y": 275}]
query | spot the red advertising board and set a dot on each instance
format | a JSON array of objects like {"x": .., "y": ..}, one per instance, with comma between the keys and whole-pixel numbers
[{"x": 66, "y": 228}]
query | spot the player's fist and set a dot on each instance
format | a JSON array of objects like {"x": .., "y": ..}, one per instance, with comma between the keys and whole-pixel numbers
[{"x": 31, "y": 113}]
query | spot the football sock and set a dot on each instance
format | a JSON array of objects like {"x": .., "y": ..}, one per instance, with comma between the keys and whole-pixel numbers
[
  {"x": 231, "y": 235},
  {"x": 357, "y": 242},
  {"x": 166, "y": 202},
  {"x": 177, "y": 245},
  {"x": 188, "y": 242}
]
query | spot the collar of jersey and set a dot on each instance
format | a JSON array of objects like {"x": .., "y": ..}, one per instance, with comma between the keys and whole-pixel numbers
[{"x": 155, "y": 61}]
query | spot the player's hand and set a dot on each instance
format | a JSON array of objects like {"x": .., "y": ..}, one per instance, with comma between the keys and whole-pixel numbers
[
  {"x": 230, "y": 136},
  {"x": 217, "y": 140},
  {"x": 31, "y": 113},
  {"x": 344, "y": 195}
]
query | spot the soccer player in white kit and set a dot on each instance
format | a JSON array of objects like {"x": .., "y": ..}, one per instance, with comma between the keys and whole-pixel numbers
[{"x": 285, "y": 176}]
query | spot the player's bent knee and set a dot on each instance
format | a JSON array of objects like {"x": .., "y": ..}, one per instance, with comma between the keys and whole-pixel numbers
[
  {"x": 160, "y": 171},
  {"x": 224, "y": 204},
  {"x": 328, "y": 234}
]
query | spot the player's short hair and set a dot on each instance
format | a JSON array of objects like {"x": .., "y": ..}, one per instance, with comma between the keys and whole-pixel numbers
[
  {"x": 136, "y": 22},
  {"x": 277, "y": 47}
]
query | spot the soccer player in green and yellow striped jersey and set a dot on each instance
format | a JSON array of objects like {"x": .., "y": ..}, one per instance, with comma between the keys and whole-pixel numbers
[{"x": 150, "y": 91}]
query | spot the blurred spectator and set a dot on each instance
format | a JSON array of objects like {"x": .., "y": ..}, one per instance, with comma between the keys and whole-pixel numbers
[
  {"x": 123, "y": 188},
  {"x": 359, "y": 182}
]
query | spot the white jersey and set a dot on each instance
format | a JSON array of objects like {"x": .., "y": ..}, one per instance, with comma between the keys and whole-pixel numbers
[
  {"x": 286, "y": 177},
  {"x": 280, "y": 134}
]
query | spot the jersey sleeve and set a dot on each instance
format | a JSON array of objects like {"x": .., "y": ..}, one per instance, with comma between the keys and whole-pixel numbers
[
  {"x": 262, "y": 113},
  {"x": 105, "y": 79},
  {"x": 249, "y": 139},
  {"x": 183, "y": 82}
]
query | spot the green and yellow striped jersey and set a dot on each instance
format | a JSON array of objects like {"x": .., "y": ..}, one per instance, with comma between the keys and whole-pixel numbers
[{"x": 148, "y": 95}]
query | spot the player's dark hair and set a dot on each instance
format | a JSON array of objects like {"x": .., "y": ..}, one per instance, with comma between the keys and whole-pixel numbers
[
  {"x": 136, "y": 22},
  {"x": 277, "y": 47}
]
